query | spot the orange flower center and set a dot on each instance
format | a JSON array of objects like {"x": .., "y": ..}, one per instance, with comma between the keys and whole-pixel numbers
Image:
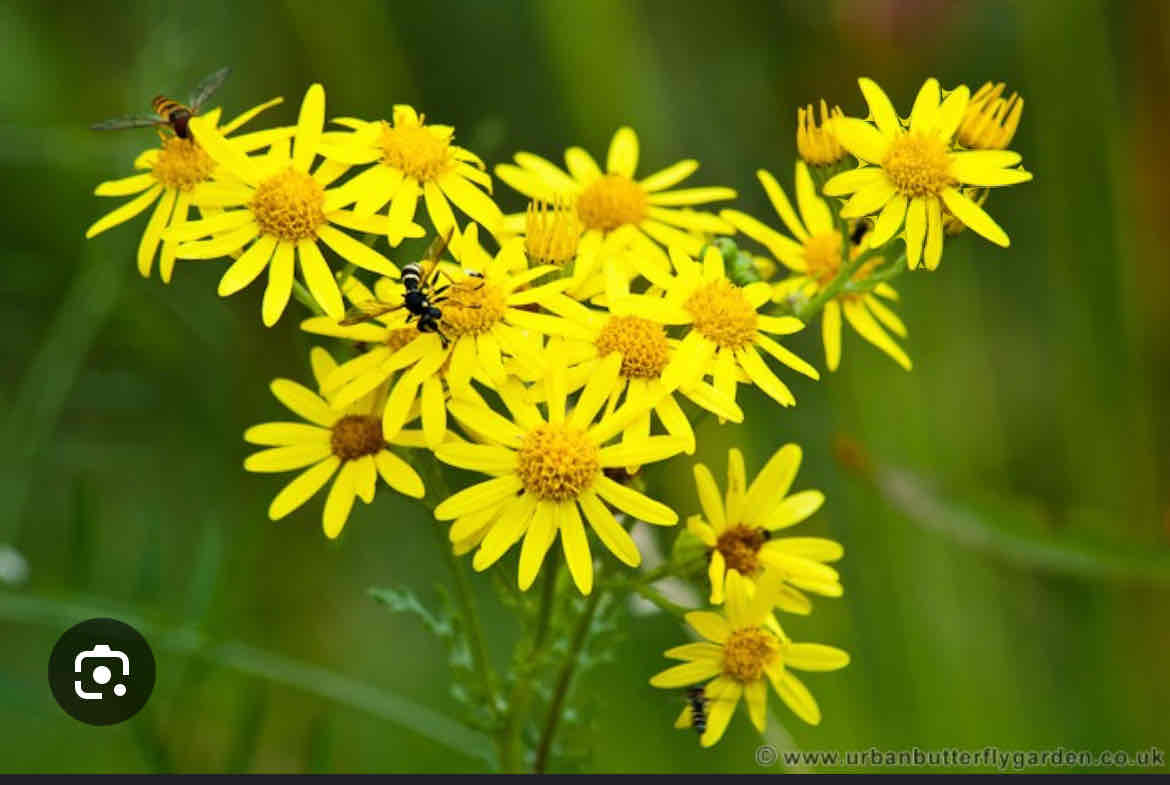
[
  {"x": 918, "y": 165},
  {"x": 722, "y": 314},
  {"x": 289, "y": 206},
  {"x": 356, "y": 435},
  {"x": 611, "y": 201},
  {"x": 642, "y": 344},
  {"x": 557, "y": 462},
  {"x": 182, "y": 164},
  {"x": 748, "y": 652},
  {"x": 422, "y": 152},
  {"x": 740, "y": 546},
  {"x": 474, "y": 307}
]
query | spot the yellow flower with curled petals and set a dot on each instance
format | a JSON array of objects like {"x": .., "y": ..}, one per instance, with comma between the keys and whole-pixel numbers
[
  {"x": 990, "y": 121},
  {"x": 342, "y": 443},
  {"x": 413, "y": 159},
  {"x": 742, "y": 651},
  {"x": 908, "y": 173},
  {"x": 173, "y": 171},
  {"x": 547, "y": 472},
  {"x": 485, "y": 320},
  {"x": 816, "y": 142},
  {"x": 280, "y": 208},
  {"x": 740, "y": 533},
  {"x": 617, "y": 212},
  {"x": 726, "y": 331},
  {"x": 814, "y": 255},
  {"x": 652, "y": 370}
]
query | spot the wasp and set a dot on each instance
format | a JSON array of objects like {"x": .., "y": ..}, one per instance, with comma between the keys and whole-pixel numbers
[
  {"x": 169, "y": 113},
  {"x": 697, "y": 700},
  {"x": 419, "y": 296}
]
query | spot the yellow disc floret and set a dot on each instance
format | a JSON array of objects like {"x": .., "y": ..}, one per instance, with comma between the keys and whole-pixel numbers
[
  {"x": 740, "y": 546},
  {"x": 917, "y": 165},
  {"x": 611, "y": 201},
  {"x": 722, "y": 314},
  {"x": 822, "y": 254},
  {"x": 182, "y": 164},
  {"x": 474, "y": 306},
  {"x": 557, "y": 462},
  {"x": 748, "y": 652},
  {"x": 420, "y": 151},
  {"x": 642, "y": 344},
  {"x": 356, "y": 435},
  {"x": 289, "y": 206},
  {"x": 551, "y": 233}
]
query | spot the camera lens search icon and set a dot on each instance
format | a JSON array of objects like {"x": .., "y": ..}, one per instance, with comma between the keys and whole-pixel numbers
[
  {"x": 101, "y": 674},
  {"x": 101, "y": 671}
]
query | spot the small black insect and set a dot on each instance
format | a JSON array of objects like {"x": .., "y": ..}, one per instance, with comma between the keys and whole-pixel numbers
[
  {"x": 420, "y": 296},
  {"x": 860, "y": 230},
  {"x": 697, "y": 700},
  {"x": 169, "y": 113}
]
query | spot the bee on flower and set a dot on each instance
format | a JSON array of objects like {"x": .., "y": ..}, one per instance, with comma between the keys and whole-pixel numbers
[
  {"x": 277, "y": 209},
  {"x": 170, "y": 174},
  {"x": 909, "y": 172},
  {"x": 815, "y": 254},
  {"x": 486, "y": 320},
  {"x": 742, "y": 651},
  {"x": 344, "y": 443}
]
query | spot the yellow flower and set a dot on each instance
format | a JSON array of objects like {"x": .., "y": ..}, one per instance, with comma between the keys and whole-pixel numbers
[
  {"x": 348, "y": 438},
  {"x": 741, "y": 533},
  {"x": 990, "y": 121},
  {"x": 908, "y": 174},
  {"x": 413, "y": 159},
  {"x": 175, "y": 169},
  {"x": 548, "y": 469},
  {"x": 725, "y": 326},
  {"x": 815, "y": 258},
  {"x": 652, "y": 369},
  {"x": 742, "y": 647},
  {"x": 617, "y": 211},
  {"x": 816, "y": 143},
  {"x": 485, "y": 319},
  {"x": 552, "y": 233},
  {"x": 286, "y": 210}
]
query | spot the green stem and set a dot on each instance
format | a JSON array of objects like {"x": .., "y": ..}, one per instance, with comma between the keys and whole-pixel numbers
[
  {"x": 521, "y": 696},
  {"x": 304, "y": 298},
  {"x": 656, "y": 597},
  {"x": 873, "y": 281},
  {"x": 565, "y": 680},
  {"x": 814, "y": 306}
]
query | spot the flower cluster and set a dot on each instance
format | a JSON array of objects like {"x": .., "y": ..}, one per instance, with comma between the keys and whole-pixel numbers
[{"x": 557, "y": 350}]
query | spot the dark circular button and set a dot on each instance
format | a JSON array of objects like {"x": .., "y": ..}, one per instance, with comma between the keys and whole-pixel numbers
[{"x": 101, "y": 671}]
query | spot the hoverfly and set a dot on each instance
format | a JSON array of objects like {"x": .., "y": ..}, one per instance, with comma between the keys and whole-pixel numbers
[
  {"x": 697, "y": 700},
  {"x": 169, "y": 113},
  {"x": 420, "y": 296}
]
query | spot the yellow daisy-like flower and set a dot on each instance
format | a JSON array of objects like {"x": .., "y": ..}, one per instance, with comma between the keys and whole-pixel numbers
[
  {"x": 815, "y": 258},
  {"x": 725, "y": 326},
  {"x": 485, "y": 319},
  {"x": 990, "y": 121},
  {"x": 413, "y": 159},
  {"x": 742, "y": 647},
  {"x": 547, "y": 470},
  {"x": 740, "y": 532},
  {"x": 652, "y": 369},
  {"x": 287, "y": 208},
  {"x": 909, "y": 173},
  {"x": 816, "y": 142},
  {"x": 173, "y": 171},
  {"x": 610, "y": 201},
  {"x": 348, "y": 438}
]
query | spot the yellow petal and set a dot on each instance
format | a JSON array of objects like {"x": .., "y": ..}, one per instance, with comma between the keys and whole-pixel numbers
[
  {"x": 781, "y": 204},
  {"x": 283, "y": 459},
  {"x": 310, "y": 122},
  {"x": 477, "y": 497},
  {"x": 630, "y": 501},
  {"x": 789, "y": 511},
  {"x": 831, "y": 334},
  {"x": 915, "y": 231},
  {"x": 712, "y": 626},
  {"x": 709, "y": 497},
  {"x": 123, "y": 213},
  {"x": 861, "y": 139},
  {"x": 340, "y": 500},
  {"x": 974, "y": 217},
  {"x": 576, "y": 546},
  {"x": 685, "y": 674},
  {"x": 608, "y": 530},
  {"x": 670, "y": 176},
  {"x": 925, "y": 109},
  {"x": 623, "y": 152},
  {"x": 814, "y": 657},
  {"x": 301, "y": 489},
  {"x": 399, "y": 475},
  {"x": 303, "y": 402},
  {"x": 881, "y": 111},
  {"x": 280, "y": 282}
]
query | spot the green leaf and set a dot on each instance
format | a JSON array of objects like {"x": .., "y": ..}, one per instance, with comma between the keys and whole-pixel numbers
[{"x": 404, "y": 601}]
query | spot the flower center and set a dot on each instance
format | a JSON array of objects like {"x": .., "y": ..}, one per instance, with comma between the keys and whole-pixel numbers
[
  {"x": 917, "y": 165},
  {"x": 551, "y": 233},
  {"x": 474, "y": 307},
  {"x": 642, "y": 344},
  {"x": 557, "y": 462},
  {"x": 182, "y": 164},
  {"x": 356, "y": 435},
  {"x": 289, "y": 206},
  {"x": 722, "y": 314},
  {"x": 611, "y": 201},
  {"x": 740, "y": 546},
  {"x": 822, "y": 254},
  {"x": 422, "y": 152},
  {"x": 747, "y": 652}
]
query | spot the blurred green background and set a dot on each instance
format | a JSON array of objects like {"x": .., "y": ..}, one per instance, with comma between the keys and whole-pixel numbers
[{"x": 1006, "y": 577}]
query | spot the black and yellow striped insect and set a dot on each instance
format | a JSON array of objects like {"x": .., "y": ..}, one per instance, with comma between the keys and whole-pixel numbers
[
  {"x": 169, "y": 113},
  {"x": 697, "y": 700}
]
